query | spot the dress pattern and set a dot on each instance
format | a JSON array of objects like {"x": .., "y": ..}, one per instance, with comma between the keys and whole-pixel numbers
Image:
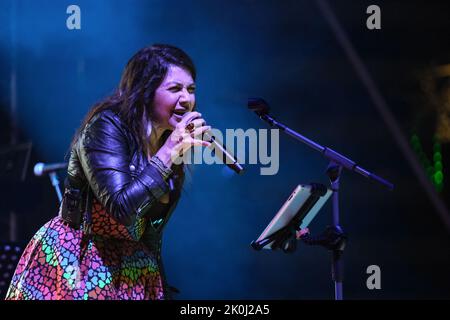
[{"x": 105, "y": 262}]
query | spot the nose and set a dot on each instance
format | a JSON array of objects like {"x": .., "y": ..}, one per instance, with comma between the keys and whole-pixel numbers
[{"x": 185, "y": 99}]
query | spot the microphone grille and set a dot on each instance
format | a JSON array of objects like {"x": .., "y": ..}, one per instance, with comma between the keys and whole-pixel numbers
[{"x": 38, "y": 169}]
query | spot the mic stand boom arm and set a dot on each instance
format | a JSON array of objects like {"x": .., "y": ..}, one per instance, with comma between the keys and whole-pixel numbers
[{"x": 330, "y": 154}]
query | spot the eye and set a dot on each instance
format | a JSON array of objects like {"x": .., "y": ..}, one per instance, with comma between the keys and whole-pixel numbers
[
  {"x": 174, "y": 88},
  {"x": 191, "y": 89}
]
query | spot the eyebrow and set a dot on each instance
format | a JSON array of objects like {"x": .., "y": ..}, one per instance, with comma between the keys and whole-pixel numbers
[{"x": 178, "y": 83}]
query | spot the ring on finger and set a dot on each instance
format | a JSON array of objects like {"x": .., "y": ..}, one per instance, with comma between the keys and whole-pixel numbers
[{"x": 190, "y": 127}]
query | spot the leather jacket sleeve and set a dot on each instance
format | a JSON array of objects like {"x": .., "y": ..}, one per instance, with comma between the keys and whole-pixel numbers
[{"x": 105, "y": 155}]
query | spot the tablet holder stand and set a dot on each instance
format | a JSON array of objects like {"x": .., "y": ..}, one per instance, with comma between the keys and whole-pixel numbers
[{"x": 333, "y": 238}]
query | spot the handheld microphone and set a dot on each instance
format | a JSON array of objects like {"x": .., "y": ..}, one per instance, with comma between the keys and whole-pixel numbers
[
  {"x": 222, "y": 153},
  {"x": 41, "y": 168}
]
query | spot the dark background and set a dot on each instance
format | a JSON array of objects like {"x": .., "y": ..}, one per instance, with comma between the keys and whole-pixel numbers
[{"x": 285, "y": 52}]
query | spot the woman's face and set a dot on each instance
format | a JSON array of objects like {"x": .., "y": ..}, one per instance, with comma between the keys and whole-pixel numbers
[{"x": 173, "y": 98}]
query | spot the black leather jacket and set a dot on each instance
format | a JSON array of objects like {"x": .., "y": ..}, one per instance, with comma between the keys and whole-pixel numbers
[
  {"x": 106, "y": 158},
  {"x": 106, "y": 163}
]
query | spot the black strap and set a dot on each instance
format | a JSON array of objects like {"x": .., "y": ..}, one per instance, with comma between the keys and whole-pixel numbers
[{"x": 87, "y": 214}]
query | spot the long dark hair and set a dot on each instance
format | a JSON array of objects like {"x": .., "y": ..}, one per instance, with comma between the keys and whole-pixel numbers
[{"x": 133, "y": 99}]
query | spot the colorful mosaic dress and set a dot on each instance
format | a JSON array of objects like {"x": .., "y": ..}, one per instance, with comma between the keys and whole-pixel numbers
[
  {"x": 116, "y": 253},
  {"x": 63, "y": 263}
]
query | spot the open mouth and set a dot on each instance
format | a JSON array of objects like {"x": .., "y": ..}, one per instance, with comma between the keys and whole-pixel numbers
[{"x": 179, "y": 113}]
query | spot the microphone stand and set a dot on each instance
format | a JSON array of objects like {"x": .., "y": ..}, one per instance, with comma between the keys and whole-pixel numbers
[
  {"x": 337, "y": 162},
  {"x": 55, "y": 182}
]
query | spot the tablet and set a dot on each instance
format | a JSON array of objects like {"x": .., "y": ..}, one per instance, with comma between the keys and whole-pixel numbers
[{"x": 300, "y": 208}]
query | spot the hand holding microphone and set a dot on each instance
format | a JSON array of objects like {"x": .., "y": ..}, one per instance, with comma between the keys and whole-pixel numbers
[
  {"x": 184, "y": 136},
  {"x": 192, "y": 131}
]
